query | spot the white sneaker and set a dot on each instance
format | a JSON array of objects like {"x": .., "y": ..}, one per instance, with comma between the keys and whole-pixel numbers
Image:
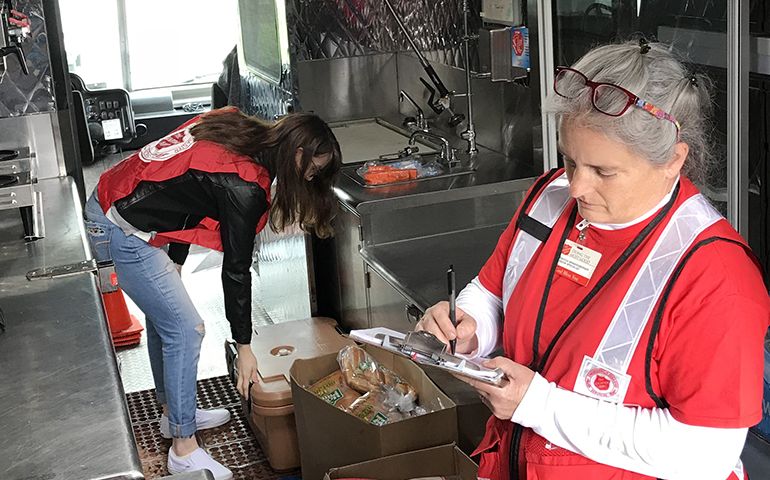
[
  {"x": 197, "y": 460},
  {"x": 203, "y": 419}
]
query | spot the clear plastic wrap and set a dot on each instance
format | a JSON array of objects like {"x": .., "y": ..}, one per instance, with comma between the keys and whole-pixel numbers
[
  {"x": 377, "y": 172},
  {"x": 390, "y": 394}
]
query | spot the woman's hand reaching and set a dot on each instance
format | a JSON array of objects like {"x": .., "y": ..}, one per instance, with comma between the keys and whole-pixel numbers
[{"x": 247, "y": 369}]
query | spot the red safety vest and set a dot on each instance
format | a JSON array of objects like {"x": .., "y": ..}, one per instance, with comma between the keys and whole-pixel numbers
[
  {"x": 599, "y": 358},
  {"x": 171, "y": 157}
]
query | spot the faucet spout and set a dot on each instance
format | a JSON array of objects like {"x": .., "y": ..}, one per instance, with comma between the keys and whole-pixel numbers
[{"x": 447, "y": 154}]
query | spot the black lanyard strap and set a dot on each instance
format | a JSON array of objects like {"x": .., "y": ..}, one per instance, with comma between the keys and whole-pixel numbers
[
  {"x": 621, "y": 260},
  {"x": 659, "y": 401},
  {"x": 548, "y": 282}
]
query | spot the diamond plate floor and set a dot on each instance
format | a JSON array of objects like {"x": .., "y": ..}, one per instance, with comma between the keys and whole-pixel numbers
[{"x": 233, "y": 444}]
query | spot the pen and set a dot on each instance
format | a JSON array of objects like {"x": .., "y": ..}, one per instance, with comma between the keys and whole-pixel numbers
[{"x": 450, "y": 278}]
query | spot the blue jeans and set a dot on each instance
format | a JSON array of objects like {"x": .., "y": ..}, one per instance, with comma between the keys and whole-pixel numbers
[{"x": 174, "y": 328}]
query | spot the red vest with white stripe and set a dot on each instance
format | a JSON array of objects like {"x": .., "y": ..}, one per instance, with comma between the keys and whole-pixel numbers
[
  {"x": 605, "y": 357},
  {"x": 171, "y": 157}
]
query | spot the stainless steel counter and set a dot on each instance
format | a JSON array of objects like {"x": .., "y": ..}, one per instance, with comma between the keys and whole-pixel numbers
[
  {"x": 417, "y": 267},
  {"x": 63, "y": 413}
]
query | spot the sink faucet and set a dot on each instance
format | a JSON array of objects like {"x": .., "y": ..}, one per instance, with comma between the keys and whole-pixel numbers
[
  {"x": 422, "y": 124},
  {"x": 447, "y": 154}
]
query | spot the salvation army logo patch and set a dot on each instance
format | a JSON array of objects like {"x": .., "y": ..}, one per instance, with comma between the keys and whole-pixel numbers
[
  {"x": 517, "y": 42},
  {"x": 601, "y": 382},
  {"x": 565, "y": 249},
  {"x": 167, "y": 146}
]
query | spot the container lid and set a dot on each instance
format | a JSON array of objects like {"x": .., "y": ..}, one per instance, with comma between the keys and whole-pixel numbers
[{"x": 277, "y": 346}]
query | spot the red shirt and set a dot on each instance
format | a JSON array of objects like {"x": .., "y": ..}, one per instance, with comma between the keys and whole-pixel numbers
[
  {"x": 707, "y": 357},
  {"x": 707, "y": 361}
]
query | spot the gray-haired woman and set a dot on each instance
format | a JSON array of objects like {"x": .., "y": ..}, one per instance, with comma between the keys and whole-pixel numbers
[{"x": 631, "y": 314}]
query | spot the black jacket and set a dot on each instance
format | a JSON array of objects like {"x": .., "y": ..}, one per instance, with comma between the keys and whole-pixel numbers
[{"x": 182, "y": 202}]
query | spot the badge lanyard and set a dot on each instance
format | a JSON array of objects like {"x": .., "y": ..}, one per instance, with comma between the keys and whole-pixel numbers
[{"x": 538, "y": 366}]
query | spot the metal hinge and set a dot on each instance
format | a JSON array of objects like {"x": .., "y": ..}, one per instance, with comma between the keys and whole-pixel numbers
[
  {"x": 368, "y": 280},
  {"x": 86, "y": 266},
  {"x": 413, "y": 314}
]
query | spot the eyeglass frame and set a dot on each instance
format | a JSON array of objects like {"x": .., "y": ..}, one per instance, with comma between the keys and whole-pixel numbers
[{"x": 633, "y": 99}]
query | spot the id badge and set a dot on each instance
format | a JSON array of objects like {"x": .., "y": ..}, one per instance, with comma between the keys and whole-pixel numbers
[
  {"x": 600, "y": 381},
  {"x": 577, "y": 262}
]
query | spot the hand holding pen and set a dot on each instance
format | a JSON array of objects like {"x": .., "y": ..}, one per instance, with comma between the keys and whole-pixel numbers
[{"x": 449, "y": 323}]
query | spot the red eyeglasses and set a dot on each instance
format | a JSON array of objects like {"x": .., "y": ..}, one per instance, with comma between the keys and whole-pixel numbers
[{"x": 608, "y": 98}]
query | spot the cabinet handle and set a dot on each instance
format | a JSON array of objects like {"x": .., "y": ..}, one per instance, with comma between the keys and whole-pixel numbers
[{"x": 413, "y": 314}]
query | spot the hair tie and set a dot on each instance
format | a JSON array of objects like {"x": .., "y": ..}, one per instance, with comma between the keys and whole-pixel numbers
[
  {"x": 644, "y": 46},
  {"x": 694, "y": 81}
]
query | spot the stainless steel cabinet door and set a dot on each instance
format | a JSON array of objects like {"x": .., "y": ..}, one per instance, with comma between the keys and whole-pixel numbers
[{"x": 388, "y": 308}]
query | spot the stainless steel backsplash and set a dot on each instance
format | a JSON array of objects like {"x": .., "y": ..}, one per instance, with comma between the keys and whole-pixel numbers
[
  {"x": 349, "y": 59},
  {"x": 321, "y": 29},
  {"x": 24, "y": 94}
]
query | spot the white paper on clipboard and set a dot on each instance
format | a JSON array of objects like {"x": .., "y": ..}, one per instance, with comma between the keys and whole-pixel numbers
[{"x": 385, "y": 338}]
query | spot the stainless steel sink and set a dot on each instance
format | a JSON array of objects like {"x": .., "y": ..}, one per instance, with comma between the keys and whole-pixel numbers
[{"x": 351, "y": 171}]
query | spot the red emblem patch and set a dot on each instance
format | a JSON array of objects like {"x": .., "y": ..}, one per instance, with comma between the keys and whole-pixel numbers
[
  {"x": 602, "y": 383},
  {"x": 517, "y": 42}
]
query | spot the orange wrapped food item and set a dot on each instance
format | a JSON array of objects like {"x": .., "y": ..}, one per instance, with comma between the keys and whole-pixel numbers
[{"x": 381, "y": 174}]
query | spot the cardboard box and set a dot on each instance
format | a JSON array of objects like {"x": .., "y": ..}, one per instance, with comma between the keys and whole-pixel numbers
[
  {"x": 443, "y": 461},
  {"x": 472, "y": 414},
  {"x": 329, "y": 437}
]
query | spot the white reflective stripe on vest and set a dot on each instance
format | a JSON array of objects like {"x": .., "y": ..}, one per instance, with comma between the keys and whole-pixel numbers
[
  {"x": 546, "y": 209},
  {"x": 738, "y": 470},
  {"x": 622, "y": 336}
]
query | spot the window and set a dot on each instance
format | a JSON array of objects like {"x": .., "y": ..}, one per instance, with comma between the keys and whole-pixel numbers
[
  {"x": 167, "y": 43},
  {"x": 92, "y": 41}
]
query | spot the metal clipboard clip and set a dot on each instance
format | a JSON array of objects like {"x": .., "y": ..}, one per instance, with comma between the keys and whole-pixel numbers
[{"x": 424, "y": 348}]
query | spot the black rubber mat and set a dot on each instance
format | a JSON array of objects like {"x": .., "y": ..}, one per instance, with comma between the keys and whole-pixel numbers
[{"x": 233, "y": 444}]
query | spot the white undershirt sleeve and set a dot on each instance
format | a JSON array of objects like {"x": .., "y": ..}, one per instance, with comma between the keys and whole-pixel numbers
[
  {"x": 643, "y": 440},
  {"x": 486, "y": 309}
]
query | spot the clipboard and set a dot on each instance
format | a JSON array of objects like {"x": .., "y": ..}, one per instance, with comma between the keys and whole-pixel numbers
[{"x": 425, "y": 349}]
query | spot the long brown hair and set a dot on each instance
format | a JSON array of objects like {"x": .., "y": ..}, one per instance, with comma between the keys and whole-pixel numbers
[{"x": 310, "y": 203}]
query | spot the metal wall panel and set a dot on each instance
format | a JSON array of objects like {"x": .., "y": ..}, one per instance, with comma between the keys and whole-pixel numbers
[
  {"x": 349, "y": 88},
  {"x": 24, "y": 94},
  {"x": 262, "y": 98},
  {"x": 284, "y": 269},
  {"x": 37, "y": 133}
]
